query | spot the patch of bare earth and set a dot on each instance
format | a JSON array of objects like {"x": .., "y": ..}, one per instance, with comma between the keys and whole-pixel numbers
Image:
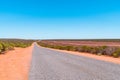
[
  {"x": 103, "y": 57},
  {"x": 14, "y": 65}
]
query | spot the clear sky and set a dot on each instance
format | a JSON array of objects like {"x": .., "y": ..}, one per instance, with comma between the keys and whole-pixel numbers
[{"x": 60, "y": 19}]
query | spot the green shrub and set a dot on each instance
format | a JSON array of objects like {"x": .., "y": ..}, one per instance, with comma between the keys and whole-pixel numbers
[
  {"x": 69, "y": 48},
  {"x": 99, "y": 50},
  {"x": 95, "y": 50},
  {"x": 59, "y": 47},
  {"x": 116, "y": 53},
  {"x": 85, "y": 49},
  {"x": 1, "y": 48},
  {"x": 10, "y": 44}
]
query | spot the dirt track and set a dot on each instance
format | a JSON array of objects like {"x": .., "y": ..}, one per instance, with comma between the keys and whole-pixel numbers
[{"x": 14, "y": 65}]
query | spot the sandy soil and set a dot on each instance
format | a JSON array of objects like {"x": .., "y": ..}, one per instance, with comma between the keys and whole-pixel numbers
[
  {"x": 103, "y": 57},
  {"x": 15, "y": 64}
]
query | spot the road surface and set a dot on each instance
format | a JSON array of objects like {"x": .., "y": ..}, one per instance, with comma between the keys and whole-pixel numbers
[{"x": 54, "y": 65}]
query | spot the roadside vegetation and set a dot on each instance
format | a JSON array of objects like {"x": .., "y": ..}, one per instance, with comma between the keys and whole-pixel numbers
[
  {"x": 10, "y": 44},
  {"x": 98, "y": 50}
]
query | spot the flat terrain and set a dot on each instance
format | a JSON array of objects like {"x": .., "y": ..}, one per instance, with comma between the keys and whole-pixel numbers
[
  {"x": 14, "y": 65},
  {"x": 55, "y": 65},
  {"x": 38, "y": 63},
  {"x": 84, "y": 42}
]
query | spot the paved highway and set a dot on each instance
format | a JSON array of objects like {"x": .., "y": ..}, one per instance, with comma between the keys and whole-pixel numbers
[{"x": 54, "y": 65}]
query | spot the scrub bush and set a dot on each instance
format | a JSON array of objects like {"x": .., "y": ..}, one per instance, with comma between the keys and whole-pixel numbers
[
  {"x": 98, "y": 50},
  {"x": 9, "y": 44}
]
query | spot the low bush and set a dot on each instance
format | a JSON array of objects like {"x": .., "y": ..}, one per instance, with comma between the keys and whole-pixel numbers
[
  {"x": 109, "y": 51},
  {"x": 116, "y": 54},
  {"x": 99, "y": 50},
  {"x": 6, "y": 44}
]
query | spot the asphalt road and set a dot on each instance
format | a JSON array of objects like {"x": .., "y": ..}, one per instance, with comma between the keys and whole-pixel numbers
[{"x": 53, "y": 65}]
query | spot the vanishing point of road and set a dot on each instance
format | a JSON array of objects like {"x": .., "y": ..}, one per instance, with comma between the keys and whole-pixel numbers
[{"x": 54, "y": 65}]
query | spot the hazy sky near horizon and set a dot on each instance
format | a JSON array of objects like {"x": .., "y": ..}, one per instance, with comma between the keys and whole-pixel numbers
[{"x": 59, "y": 19}]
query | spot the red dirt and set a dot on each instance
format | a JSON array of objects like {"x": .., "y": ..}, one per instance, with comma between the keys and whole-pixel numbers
[
  {"x": 14, "y": 65},
  {"x": 84, "y": 43}
]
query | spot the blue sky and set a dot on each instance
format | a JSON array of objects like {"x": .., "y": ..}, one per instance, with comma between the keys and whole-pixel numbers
[{"x": 60, "y": 19}]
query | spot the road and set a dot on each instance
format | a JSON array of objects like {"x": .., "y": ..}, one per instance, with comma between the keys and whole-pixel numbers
[{"x": 48, "y": 64}]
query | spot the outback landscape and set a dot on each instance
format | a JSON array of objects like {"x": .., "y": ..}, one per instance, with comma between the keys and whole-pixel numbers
[
  {"x": 26, "y": 59},
  {"x": 15, "y": 58},
  {"x": 59, "y": 39},
  {"x": 10, "y": 44},
  {"x": 100, "y": 47}
]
